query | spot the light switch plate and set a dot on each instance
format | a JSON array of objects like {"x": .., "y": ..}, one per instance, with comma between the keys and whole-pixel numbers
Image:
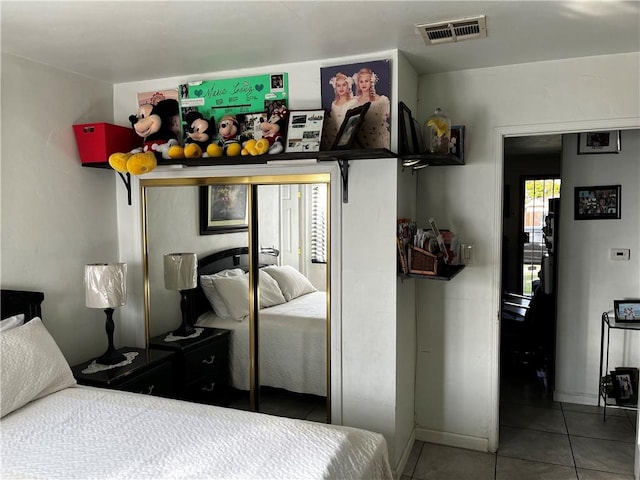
[{"x": 466, "y": 253}]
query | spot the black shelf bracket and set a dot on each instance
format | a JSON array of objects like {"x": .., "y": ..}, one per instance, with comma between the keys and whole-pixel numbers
[
  {"x": 127, "y": 184},
  {"x": 344, "y": 173}
]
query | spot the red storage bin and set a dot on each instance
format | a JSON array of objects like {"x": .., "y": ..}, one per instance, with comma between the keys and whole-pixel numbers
[{"x": 96, "y": 141}]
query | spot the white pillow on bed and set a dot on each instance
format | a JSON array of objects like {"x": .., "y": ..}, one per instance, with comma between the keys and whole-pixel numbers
[
  {"x": 32, "y": 366},
  {"x": 11, "y": 322},
  {"x": 292, "y": 283},
  {"x": 235, "y": 293},
  {"x": 216, "y": 301}
]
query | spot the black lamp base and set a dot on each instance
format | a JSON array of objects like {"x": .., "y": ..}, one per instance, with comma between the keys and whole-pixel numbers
[
  {"x": 185, "y": 329},
  {"x": 110, "y": 358}
]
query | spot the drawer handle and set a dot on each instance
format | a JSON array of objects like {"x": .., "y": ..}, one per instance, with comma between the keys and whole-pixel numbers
[
  {"x": 149, "y": 391},
  {"x": 210, "y": 361},
  {"x": 209, "y": 388}
]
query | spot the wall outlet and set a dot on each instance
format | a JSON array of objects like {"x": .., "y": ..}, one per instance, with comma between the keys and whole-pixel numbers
[
  {"x": 466, "y": 253},
  {"x": 620, "y": 254}
]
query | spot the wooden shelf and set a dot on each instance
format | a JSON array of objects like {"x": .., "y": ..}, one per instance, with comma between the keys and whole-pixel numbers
[{"x": 447, "y": 273}]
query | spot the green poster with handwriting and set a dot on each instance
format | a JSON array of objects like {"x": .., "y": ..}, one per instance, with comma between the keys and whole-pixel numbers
[{"x": 234, "y": 96}]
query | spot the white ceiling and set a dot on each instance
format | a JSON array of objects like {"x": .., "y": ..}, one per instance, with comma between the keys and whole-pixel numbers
[{"x": 136, "y": 40}]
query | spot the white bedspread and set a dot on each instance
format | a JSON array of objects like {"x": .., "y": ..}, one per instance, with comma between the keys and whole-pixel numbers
[
  {"x": 293, "y": 347},
  {"x": 89, "y": 433}
]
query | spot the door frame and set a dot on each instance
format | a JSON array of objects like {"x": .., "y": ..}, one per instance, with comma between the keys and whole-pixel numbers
[{"x": 500, "y": 133}]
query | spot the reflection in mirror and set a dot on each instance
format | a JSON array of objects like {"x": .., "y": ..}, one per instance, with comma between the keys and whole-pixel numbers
[
  {"x": 292, "y": 234},
  {"x": 293, "y": 316}
]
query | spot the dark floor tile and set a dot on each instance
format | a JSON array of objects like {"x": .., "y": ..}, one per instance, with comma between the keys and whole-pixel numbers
[
  {"x": 514, "y": 468},
  {"x": 534, "y": 418},
  {"x": 603, "y": 455},
  {"x": 536, "y": 446},
  {"x": 438, "y": 462},
  {"x": 593, "y": 426},
  {"x": 574, "y": 407},
  {"x": 595, "y": 475}
]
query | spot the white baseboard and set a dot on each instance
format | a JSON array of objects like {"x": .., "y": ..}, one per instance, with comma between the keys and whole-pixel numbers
[
  {"x": 453, "y": 439},
  {"x": 405, "y": 455}
]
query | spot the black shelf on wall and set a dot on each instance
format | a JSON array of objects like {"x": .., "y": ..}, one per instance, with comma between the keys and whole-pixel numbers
[
  {"x": 446, "y": 273},
  {"x": 341, "y": 156}
]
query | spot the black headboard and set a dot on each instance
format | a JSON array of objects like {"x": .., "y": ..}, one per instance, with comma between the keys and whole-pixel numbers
[
  {"x": 14, "y": 302},
  {"x": 232, "y": 258}
]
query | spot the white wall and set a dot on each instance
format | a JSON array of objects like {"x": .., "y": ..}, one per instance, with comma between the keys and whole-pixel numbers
[
  {"x": 457, "y": 390},
  {"x": 363, "y": 256},
  {"x": 56, "y": 215},
  {"x": 588, "y": 280}
]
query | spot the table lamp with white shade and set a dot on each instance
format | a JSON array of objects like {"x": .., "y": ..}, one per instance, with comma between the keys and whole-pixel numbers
[
  {"x": 181, "y": 273},
  {"x": 105, "y": 287}
]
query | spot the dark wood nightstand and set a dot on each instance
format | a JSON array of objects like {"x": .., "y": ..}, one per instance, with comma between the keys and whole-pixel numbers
[
  {"x": 149, "y": 373},
  {"x": 201, "y": 371}
]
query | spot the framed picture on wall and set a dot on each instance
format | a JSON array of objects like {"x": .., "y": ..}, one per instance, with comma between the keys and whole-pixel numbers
[
  {"x": 599, "y": 142},
  {"x": 597, "y": 203},
  {"x": 223, "y": 209}
]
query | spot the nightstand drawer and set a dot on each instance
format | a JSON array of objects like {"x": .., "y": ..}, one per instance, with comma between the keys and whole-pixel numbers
[
  {"x": 207, "y": 361},
  {"x": 212, "y": 390},
  {"x": 155, "y": 381}
]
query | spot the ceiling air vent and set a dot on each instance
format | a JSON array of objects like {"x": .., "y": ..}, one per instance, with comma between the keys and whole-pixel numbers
[{"x": 450, "y": 31}]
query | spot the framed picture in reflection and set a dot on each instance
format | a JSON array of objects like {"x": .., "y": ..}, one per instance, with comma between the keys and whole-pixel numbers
[{"x": 223, "y": 209}]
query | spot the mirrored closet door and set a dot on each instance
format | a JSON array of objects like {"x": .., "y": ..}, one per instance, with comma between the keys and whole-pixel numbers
[{"x": 260, "y": 307}]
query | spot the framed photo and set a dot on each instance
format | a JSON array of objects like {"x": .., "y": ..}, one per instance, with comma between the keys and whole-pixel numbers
[
  {"x": 599, "y": 142},
  {"x": 625, "y": 385},
  {"x": 305, "y": 130},
  {"x": 223, "y": 209},
  {"x": 250, "y": 125},
  {"x": 349, "y": 128},
  {"x": 627, "y": 311},
  {"x": 456, "y": 142},
  {"x": 407, "y": 134},
  {"x": 596, "y": 203}
]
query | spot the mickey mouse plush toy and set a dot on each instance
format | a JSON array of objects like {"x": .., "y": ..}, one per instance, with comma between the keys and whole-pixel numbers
[
  {"x": 229, "y": 141},
  {"x": 153, "y": 124},
  {"x": 200, "y": 133}
]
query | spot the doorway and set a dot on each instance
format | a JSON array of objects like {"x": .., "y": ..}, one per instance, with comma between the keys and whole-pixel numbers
[{"x": 532, "y": 167}]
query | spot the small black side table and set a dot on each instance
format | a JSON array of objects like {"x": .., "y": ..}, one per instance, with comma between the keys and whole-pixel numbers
[
  {"x": 149, "y": 373},
  {"x": 201, "y": 372}
]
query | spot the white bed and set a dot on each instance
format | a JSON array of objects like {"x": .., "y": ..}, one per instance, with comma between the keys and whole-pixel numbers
[
  {"x": 292, "y": 321},
  {"x": 292, "y": 330},
  {"x": 52, "y": 428}
]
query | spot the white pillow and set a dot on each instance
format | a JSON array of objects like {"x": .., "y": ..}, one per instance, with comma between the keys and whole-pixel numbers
[
  {"x": 216, "y": 301},
  {"x": 292, "y": 283},
  {"x": 234, "y": 291},
  {"x": 270, "y": 293},
  {"x": 32, "y": 366},
  {"x": 11, "y": 322}
]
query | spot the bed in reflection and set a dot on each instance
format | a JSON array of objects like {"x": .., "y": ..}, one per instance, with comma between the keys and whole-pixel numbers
[
  {"x": 292, "y": 319},
  {"x": 53, "y": 428}
]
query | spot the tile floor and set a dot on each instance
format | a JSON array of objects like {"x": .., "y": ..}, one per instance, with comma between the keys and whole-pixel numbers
[{"x": 539, "y": 439}]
